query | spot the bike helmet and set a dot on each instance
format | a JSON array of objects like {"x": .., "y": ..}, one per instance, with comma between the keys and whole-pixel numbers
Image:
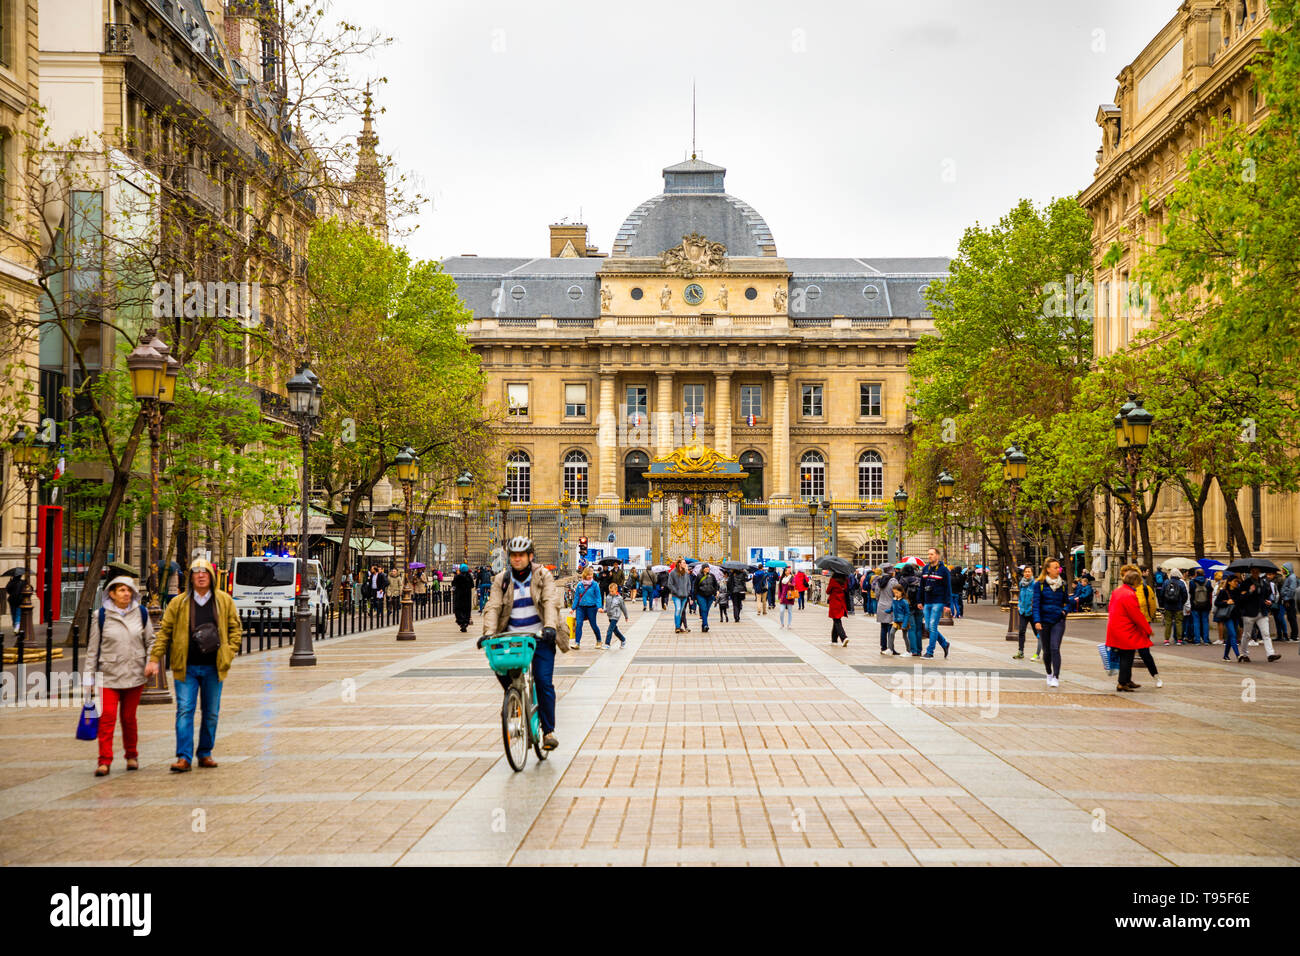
[{"x": 519, "y": 544}]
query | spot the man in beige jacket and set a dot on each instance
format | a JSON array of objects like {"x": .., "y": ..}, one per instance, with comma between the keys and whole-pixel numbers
[{"x": 524, "y": 599}]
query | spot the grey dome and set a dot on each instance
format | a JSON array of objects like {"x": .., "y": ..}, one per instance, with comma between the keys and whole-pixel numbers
[{"x": 693, "y": 201}]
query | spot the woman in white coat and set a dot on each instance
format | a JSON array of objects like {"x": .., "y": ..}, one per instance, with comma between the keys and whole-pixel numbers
[{"x": 121, "y": 637}]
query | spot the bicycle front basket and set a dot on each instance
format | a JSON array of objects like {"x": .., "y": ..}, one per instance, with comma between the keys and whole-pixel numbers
[{"x": 507, "y": 652}]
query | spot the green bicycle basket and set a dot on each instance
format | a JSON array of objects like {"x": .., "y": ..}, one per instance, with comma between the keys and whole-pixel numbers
[{"x": 508, "y": 652}]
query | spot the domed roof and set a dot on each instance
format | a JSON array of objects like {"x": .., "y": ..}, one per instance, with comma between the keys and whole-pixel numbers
[{"x": 693, "y": 201}]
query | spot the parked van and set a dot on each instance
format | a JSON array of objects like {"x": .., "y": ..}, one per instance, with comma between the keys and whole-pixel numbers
[{"x": 272, "y": 582}]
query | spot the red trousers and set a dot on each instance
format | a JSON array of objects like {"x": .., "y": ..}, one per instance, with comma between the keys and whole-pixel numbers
[{"x": 130, "y": 700}]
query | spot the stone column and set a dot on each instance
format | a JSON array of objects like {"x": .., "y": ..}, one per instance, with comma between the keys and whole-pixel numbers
[
  {"x": 780, "y": 436},
  {"x": 663, "y": 412},
  {"x": 722, "y": 412},
  {"x": 607, "y": 440}
]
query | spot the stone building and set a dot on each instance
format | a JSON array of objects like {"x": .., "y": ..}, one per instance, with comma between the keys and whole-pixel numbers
[
  {"x": 694, "y": 328},
  {"x": 1193, "y": 72}
]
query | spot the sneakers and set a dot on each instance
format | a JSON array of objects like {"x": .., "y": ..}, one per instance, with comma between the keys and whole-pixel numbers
[
  {"x": 549, "y": 742},
  {"x": 929, "y": 656},
  {"x": 946, "y": 648},
  {"x": 1274, "y": 657},
  {"x": 1123, "y": 688},
  {"x": 1018, "y": 657},
  {"x": 883, "y": 651},
  {"x": 845, "y": 642},
  {"x": 1243, "y": 658},
  {"x": 1180, "y": 643},
  {"x": 1035, "y": 657},
  {"x": 622, "y": 642},
  {"x": 1166, "y": 643},
  {"x": 1159, "y": 682},
  {"x": 895, "y": 653}
]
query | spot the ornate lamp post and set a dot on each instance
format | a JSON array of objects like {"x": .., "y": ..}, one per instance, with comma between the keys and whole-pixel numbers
[
  {"x": 408, "y": 470},
  {"x": 304, "y": 390},
  {"x": 465, "y": 488},
  {"x": 1015, "y": 467},
  {"x": 503, "y": 506},
  {"x": 900, "y": 511},
  {"x": 582, "y": 510},
  {"x": 813, "y": 505},
  {"x": 1132, "y": 434},
  {"x": 945, "y": 485},
  {"x": 30, "y": 455},
  {"x": 153, "y": 373}
]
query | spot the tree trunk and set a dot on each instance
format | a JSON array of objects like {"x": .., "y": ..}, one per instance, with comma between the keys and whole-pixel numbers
[
  {"x": 1236, "y": 530},
  {"x": 104, "y": 536}
]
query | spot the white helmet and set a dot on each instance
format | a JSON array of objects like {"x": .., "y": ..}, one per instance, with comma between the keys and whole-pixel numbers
[{"x": 519, "y": 544}]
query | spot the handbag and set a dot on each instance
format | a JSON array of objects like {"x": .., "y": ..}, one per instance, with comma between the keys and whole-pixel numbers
[
  {"x": 88, "y": 723},
  {"x": 1108, "y": 662},
  {"x": 1223, "y": 614}
]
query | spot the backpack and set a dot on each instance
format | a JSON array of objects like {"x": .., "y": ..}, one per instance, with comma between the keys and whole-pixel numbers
[
  {"x": 1200, "y": 595},
  {"x": 1170, "y": 594},
  {"x": 103, "y": 614}
]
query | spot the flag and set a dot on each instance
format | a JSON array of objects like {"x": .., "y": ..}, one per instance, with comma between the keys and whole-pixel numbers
[
  {"x": 693, "y": 420},
  {"x": 750, "y": 420},
  {"x": 59, "y": 468}
]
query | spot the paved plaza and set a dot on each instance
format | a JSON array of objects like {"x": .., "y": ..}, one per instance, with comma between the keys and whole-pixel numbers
[{"x": 748, "y": 745}]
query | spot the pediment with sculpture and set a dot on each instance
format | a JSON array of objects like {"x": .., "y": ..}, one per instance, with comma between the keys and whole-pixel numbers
[{"x": 695, "y": 255}]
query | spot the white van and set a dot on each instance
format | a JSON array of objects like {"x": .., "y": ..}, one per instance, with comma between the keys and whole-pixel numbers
[{"x": 272, "y": 582}]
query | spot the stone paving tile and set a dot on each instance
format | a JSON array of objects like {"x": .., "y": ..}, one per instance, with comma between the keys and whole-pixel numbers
[{"x": 790, "y": 760}]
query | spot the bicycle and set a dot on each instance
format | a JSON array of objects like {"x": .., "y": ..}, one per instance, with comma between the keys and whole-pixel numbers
[{"x": 512, "y": 654}]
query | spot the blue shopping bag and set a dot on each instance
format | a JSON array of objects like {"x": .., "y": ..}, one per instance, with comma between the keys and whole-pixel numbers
[
  {"x": 88, "y": 725},
  {"x": 1108, "y": 659}
]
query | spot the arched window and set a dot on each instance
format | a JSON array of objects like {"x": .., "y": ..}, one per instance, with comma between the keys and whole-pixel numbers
[
  {"x": 575, "y": 475},
  {"x": 519, "y": 477},
  {"x": 871, "y": 475},
  {"x": 752, "y": 487},
  {"x": 812, "y": 475},
  {"x": 635, "y": 486},
  {"x": 871, "y": 554}
]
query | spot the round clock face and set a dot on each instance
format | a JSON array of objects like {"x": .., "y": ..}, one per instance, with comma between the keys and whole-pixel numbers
[{"x": 694, "y": 293}]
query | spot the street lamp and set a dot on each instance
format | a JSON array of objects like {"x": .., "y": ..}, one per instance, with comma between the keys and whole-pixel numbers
[
  {"x": 305, "y": 391},
  {"x": 900, "y": 510},
  {"x": 582, "y": 510},
  {"x": 30, "y": 455},
  {"x": 503, "y": 506},
  {"x": 153, "y": 372},
  {"x": 408, "y": 470},
  {"x": 944, "y": 487},
  {"x": 1133, "y": 425},
  {"x": 465, "y": 488},
  {"x": 813, "y": 505},
  {"x": 1015, "y": 468}
]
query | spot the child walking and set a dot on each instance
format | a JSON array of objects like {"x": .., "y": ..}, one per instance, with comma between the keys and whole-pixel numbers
[
  {"x": 615, "y": 609},
  {"x": 902, "y": 614}
]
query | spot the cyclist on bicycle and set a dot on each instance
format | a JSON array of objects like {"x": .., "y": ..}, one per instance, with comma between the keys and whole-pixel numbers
[{"x": 524, "y": 599}]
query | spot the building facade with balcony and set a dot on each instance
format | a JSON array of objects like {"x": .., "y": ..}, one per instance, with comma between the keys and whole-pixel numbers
[
  {"x": 695, "y": 329},
  {"x": 1194, "y": 73}
]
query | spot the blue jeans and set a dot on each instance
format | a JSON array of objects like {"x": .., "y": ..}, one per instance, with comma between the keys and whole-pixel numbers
[
  {"x": 199, "y": 678},
  {"x": 932, "y": 614},
  {"x": 483, "y": 591},
  {"x": 584, "y": 612},
  {"x": 1279, "y": 615},
  {"x": 704, "y": 604},
  {"x": 679, "y": 611},
  {"x": 801, "y": 594},
  {"x": 786, "y": 616},
  {"x": 914, "y": 633},
  {"x": 1230, "y": 638},
  {"x": 543, "y": 679},
  {"x": 958, "y": 609},
  {"x": 1200, "y": 626},
  {"x": 612, "y": 633},
  {"x": 646, "y": 595}
]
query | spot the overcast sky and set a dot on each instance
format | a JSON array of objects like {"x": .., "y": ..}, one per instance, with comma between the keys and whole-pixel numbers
[{"x": 863, "y": 128}]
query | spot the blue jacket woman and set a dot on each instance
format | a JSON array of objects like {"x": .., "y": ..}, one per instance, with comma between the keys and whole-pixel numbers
[
  {"x": 1025, "y": 602},
  {"x": 1051, "y": 606}
]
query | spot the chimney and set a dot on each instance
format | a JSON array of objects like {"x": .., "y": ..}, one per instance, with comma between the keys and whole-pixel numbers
[{"x": 569, "y": 240}]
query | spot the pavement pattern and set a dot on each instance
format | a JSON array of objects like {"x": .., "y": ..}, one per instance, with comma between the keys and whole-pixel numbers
[{"x": 749, "y": 745}]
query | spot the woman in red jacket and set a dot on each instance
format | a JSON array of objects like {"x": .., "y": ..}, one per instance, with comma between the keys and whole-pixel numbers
[
  {"x": 835, "y": 592},
  {"x": 1129, "y": 631}
]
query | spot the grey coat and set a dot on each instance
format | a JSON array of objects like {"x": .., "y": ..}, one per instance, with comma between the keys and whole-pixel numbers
[
  {"x": 884, "y": 598},
  {"x": 122, "y": 650},
  {"x": 679, "y": 585}
]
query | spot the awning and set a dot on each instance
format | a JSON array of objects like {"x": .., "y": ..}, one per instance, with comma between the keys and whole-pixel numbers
[{"x": 366, "y": 545}]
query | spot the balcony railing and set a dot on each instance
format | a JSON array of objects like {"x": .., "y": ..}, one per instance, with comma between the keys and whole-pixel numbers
[{"x": 117, "y": 38}]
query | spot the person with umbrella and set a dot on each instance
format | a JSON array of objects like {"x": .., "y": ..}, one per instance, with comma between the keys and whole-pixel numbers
[
  {"x": 736, "y": 578},
  {"x": 462, "y": 595},
  {"x": 836, "y": 600},
  {"x": 14, "y": 592},
  {"x": 706, "y": 590}
]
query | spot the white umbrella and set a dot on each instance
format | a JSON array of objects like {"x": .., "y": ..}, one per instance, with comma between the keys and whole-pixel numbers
[
  {"x": 1182, "y": 564},
  {"x": 660, "y": 567}
]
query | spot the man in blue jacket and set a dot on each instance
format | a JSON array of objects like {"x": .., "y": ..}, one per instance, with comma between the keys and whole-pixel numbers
[{"x": 936, "y": 594}]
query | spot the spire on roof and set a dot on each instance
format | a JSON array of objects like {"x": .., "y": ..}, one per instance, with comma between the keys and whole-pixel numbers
[{"x": 367, "y": 158}]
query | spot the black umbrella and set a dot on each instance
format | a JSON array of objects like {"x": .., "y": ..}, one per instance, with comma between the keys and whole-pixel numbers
[
  {"x": 15, "y": 573},
  {"x": 735, "y": 566},
  {"x": 835, "y": 565},
  {"x": 1246, "y": 564},
  {"x": 609, "y": 562}
]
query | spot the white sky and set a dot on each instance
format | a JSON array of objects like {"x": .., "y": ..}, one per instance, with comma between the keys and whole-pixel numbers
[{"x": 837, "y": 121}]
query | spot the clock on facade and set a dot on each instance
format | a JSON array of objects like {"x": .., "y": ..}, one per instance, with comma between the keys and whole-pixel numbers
[{"x": 694, "y": 293}]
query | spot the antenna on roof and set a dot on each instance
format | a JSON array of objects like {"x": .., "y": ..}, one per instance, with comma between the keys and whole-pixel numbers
[{"x": 692, "y": 119}]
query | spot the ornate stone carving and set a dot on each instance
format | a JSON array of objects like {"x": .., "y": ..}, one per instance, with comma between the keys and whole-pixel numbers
[
  {"x": 722, "y": 298},
  {"x": 606, "y": 299},
  {"x": 694, "y": 256},
  {"x": 695, "y": 460},
  {"x": 665, "y": 298},
  {"x": 778, "y": 299}
]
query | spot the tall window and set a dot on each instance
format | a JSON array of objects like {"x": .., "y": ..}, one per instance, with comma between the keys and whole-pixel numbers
[
  {"x": 638, "y": 401},
  {"x": 871, "y": 475},
  {"x": 812, "y": 475},
  {"x": 869, "y": 399},
  {"x": 519, "y": 477},
  {"x": 575, "y": 400},
  {"x": 871, "y": 554},
  {"x": 575, "y": 475},
  {"x": 517, "y": 399},
  {"x": 812, "y": 401},
  {"x": 635, "y": 485},
  {"x": 692, "y": 401},
  {"x": 751, "y": 401}
]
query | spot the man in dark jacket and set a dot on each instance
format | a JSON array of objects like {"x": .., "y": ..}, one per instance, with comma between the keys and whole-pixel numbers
[
  {"x": 1253, "y": 605},
  {"x": 936, "y": 594},
  {"x": 462, "y": 595},
  {"x": 957, "y": 583},
  {"x": 1201, "y": 596},
  {"x": 1173, "y": 595},
  {"x": 736, "y": 589}
]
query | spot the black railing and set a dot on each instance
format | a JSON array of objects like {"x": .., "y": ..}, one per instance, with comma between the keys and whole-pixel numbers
[{"x": 262, "y": 629}]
